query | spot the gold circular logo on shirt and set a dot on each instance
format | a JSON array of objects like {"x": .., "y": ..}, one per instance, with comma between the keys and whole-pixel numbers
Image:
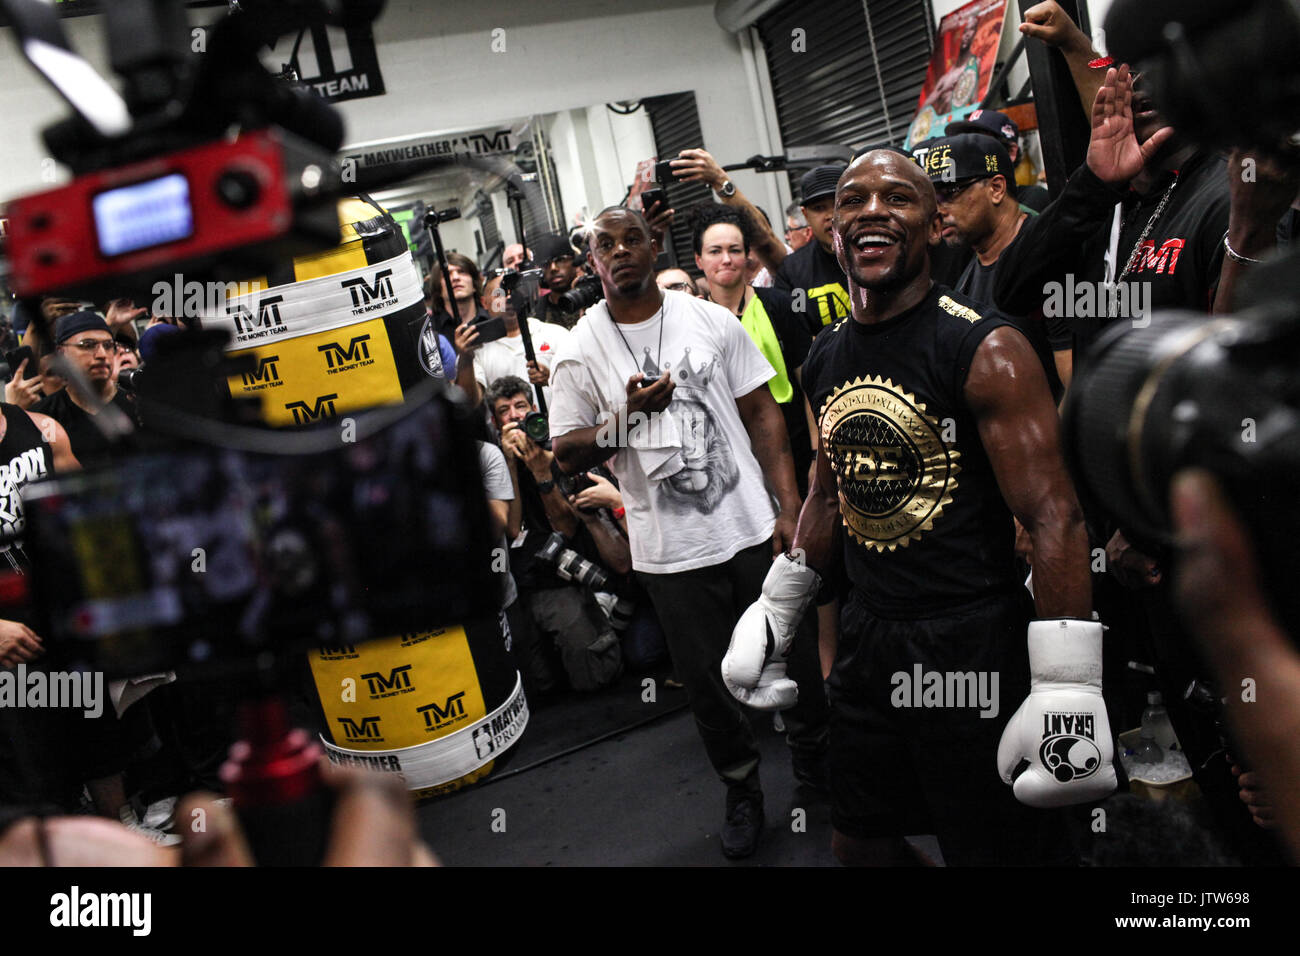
[{"x": 896, "y": 473}]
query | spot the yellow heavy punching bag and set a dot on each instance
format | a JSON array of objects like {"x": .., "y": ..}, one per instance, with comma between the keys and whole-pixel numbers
[{"x": 339, "y": 332}]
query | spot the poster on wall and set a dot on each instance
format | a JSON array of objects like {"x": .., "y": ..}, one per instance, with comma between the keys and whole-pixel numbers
[{"x": 965, "y": 53}]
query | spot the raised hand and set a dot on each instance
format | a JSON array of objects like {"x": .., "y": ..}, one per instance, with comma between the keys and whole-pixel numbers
[{"x": 1114, "y": 154}]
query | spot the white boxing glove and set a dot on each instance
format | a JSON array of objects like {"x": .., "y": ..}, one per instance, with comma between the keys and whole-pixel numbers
[
  {"x": 754, "y": 666},
  {"x": 1061, "y": 728}
]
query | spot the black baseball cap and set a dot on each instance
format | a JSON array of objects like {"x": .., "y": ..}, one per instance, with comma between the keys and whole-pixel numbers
[
  {"x": 920, "y": 148},
  {"x": 988, "y": 122},
  {"x": 819, "y": 183},
  {"x": 548, "y": 247},
  {"x": 965, "y": 156}
]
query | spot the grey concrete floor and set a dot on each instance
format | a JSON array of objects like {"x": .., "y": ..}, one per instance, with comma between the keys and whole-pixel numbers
[{"x": 647, "y": 797}]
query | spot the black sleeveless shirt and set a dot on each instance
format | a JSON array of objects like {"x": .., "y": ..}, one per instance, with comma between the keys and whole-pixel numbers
[
  {"x": 24, "y": 457},
  {"x": 925, "y": 526}
]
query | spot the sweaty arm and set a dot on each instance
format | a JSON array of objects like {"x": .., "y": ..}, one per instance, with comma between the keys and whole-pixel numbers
[
  {"x": 1007, "y": 392},
  {"x": 57, "y": 439},
  {"x": 696, "y": 165},
  {"x": 768, "y": 247}
]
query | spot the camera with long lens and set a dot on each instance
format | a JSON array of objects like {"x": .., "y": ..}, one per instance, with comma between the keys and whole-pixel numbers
[
  {"x": 573, "y": 567},
  {"x": 1217, "y": 393},
  {"x": 585, "y": 293}
]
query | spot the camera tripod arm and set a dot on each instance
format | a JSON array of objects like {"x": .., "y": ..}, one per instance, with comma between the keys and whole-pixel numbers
[
  {"x": 431, "y": 220},
  {"x": 531, "y": 356}
]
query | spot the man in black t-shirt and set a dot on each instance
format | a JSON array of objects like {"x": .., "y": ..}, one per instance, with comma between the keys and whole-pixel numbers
[
  {"x": 972, "y": 179},
  {"x": 812, "y": 274},
  {"x": 936, "y": 427},
  {"x": 85, "y": 340}
]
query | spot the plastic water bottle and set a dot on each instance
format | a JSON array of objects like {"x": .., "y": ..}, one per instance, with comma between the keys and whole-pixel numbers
[
  {"x": 1147, "y": 751},
  {"x": 1156, "y": 718}
]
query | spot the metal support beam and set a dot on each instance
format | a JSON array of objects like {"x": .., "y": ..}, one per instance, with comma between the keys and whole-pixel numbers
[
  {"x": 999, "y": 80},
  {"x": 1062, "y": 128}
]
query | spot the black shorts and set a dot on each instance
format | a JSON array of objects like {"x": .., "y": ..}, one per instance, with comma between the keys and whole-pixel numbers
[{"x": 910, "y": 751}]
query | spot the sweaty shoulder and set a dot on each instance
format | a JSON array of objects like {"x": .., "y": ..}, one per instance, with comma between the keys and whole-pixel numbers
[{"x": 961, "y": 324}]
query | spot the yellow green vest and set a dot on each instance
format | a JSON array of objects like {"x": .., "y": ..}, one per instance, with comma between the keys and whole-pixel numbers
[{"x": 759, "y": 326}]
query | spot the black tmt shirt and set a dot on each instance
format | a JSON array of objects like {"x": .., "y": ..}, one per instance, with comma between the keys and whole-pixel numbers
[
  {"x": 818, "y": 273},
  {"x": 925, "y": 526}
]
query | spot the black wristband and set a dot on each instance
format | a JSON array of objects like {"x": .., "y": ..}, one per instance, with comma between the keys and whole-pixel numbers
[{"x": 544, "y": 486}]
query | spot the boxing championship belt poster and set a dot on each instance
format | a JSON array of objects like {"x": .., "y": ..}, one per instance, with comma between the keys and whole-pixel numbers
[{"x": 965, "y": 53}]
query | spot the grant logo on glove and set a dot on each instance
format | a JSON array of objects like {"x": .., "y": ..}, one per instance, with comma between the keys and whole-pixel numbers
[
  {"x": 1057, "y": 748},
  {"x": 1069, "y": 748}
]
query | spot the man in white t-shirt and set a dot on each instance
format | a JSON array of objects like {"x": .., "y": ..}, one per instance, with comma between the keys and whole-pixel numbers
[
  {"x": 505, "y": 356},
  {"x": 674, "y": 387}
]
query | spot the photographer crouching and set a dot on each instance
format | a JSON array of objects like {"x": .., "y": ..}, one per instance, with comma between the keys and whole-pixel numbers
[{"x": 572, "y": 547}]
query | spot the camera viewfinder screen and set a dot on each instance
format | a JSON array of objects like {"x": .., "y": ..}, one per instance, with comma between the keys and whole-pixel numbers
[{"x": 143, "y": 215}]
